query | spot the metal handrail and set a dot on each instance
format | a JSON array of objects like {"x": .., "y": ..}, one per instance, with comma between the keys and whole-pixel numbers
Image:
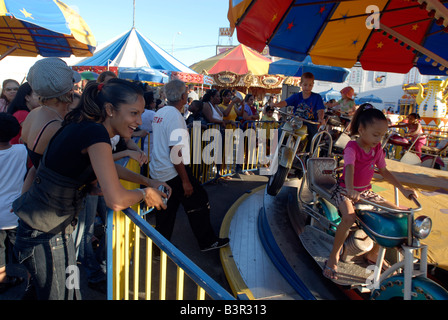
[
  {"x": 392, "y": 210},
  {"x": 203, "y": 280}
]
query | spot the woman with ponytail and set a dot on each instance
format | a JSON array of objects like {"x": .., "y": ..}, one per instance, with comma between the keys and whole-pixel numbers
[{"x": 78, "y": 156}]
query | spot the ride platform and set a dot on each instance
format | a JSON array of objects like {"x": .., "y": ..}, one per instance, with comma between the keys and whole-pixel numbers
[
  {"x": 319, "y": 245},
  {"x": 265, "y": 258}
]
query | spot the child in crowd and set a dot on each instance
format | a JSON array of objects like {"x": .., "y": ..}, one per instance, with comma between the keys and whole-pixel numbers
[
  {"x": 415, "y": 130},
  {"x": 360, "y": 158},
  {"x": 269, "y": 114},
  {"x": 12, "y": 172},
  {"x": 196, "y": 114},
  {"x": 346, "y": 104}
]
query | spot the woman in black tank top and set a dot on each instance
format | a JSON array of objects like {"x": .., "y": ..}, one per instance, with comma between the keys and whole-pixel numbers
[{"x": 77, "y": 154}]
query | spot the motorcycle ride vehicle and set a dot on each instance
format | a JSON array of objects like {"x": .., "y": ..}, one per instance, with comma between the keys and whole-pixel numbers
[
  {"x": 290, "y": 147},
  {"x": 396, "y": 230}
]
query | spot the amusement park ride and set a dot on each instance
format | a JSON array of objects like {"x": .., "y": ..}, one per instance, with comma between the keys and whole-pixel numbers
[
  {"x": 431, "y": 105},
  {"x": 309, "y": 210}
]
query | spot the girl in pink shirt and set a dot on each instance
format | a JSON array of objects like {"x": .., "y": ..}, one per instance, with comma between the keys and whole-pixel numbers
[{"x": 361, "y": 156}]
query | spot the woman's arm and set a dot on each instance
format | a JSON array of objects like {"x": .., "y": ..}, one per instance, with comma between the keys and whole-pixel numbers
[
  {"x": 137, "y": 155},
  {"x": 208, "y": 114},
  {"x": 238, "y": 110},
  {"x": 247, "y": 117},
  {"x": 29, "y": 179},
  {"x": 116, "y": 196},
  {"x": 226, "y": 111}
]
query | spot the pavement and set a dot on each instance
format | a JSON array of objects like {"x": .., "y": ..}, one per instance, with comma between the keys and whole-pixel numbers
[{"x": 222, "y": 194}]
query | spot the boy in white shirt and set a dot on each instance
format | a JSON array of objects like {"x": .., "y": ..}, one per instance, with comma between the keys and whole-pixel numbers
[{"x": 13, "y": 160}]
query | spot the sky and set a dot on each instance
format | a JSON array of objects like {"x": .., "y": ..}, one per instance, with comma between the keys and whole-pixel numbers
[{"x": 198, "y": 23}]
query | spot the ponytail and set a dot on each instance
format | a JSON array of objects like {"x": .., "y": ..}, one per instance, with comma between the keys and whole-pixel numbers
[
  {"x": 96, "y": 95},
  {"x": 365, "y": 115}
]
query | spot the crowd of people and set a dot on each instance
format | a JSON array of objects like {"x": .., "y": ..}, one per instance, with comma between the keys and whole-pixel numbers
[
  {"x": 59, "y": 152},
  {"x": 69, "y": 148},
  {"x": 69, "y": 142},
  {"x": 59, "y": 148}
]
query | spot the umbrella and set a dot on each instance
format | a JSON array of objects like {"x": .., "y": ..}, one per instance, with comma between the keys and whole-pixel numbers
[
  {"x": 89, "y": 75},
  {"x": 239, "y": 60},
  {"x": 296, "y": 69},
  {"x": 142, "y": 74},
  {"x": 383, "y": 35},
  {"x": 330, "y": 94},
  {"x": 369, "y": 98},
  {"x": 43, "y": 27}
]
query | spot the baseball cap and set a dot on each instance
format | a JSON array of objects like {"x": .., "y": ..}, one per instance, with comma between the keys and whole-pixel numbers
[{"x": 52, "y": 77}]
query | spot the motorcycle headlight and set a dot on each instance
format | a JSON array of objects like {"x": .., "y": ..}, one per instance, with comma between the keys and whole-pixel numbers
[{"x": 422, "y": 227}]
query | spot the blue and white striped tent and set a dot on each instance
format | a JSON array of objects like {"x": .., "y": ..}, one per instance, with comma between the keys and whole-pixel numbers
[{"x": 133, "y": 50}]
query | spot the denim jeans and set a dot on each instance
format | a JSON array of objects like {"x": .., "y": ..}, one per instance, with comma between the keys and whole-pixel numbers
[
  {"x": 7, "y": 240},
  {"x": 47, "y": 258},
  {"x": 82, "y": 237}
]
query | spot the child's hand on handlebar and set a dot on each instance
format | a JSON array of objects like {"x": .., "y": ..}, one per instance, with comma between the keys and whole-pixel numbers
[
  {"x": 409, "y": 193},
  {"x": 353, "y": 194}
]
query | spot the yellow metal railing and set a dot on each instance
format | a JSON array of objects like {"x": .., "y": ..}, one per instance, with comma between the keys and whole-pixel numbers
[
  {"x": 134, "y": 279},
  {"x": 131, "y": 261},
  {"x": 133, "y": 256}
]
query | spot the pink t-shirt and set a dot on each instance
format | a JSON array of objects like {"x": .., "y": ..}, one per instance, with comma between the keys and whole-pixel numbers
[{"x": 364, "y": 163}]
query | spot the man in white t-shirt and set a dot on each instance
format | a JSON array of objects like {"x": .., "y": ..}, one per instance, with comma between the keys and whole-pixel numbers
[
  {"x": 168, "y": 164},
  {"x": 191, "y": 93}
]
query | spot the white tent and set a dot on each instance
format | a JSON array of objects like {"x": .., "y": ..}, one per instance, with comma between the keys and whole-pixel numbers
[{"x": 132, "y": 50}]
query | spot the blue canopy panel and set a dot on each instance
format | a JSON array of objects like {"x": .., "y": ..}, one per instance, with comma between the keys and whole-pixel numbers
[
  {"x": 296, "y": 69},
  {"x": 295, "y": 34},
  {"x": 107, "y": 54},
  {"x": 46, "y": 12},
  {"x": 143, "y": 74},
  {"x": 330, "y": 94},
  {"x": 434, "y": 43},
  {"x": 159, "y": 59},
  {"x": 49, "y": 43}
]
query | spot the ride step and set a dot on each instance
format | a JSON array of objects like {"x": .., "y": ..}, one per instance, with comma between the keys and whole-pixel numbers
[{"x": 319, "y": 245}]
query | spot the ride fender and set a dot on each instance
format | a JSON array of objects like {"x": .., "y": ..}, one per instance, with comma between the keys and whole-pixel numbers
[
  {"x": 329, "y": 211},
  {"x": 422, "y": 289},
  {"x": 287, "y": 157},
  {"x": 439, "y": 161}
]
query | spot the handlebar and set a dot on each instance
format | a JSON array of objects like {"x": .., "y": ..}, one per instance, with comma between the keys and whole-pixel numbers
[
  {"x": 293, "y": 115},
  {"x": 417, "y": 203}
]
